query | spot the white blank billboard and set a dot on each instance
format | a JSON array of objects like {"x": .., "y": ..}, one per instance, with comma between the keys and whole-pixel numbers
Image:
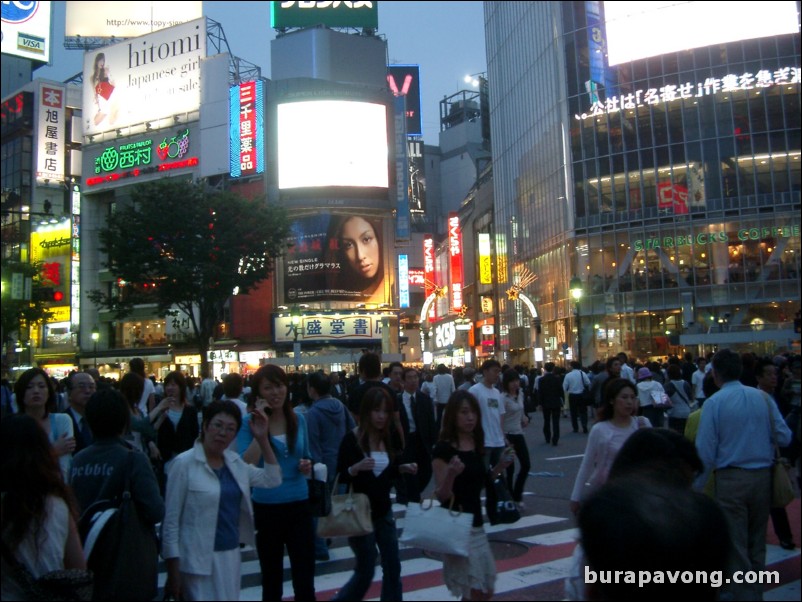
[
  {"x": 637, "y": 30},
  {"x": 332, "y": 143}
]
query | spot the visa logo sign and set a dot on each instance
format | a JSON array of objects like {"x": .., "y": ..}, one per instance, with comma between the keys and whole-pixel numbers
[{"x": 31, "y": 43}]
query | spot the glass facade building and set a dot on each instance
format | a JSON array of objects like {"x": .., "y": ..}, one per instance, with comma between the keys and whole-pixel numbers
[{"x": 668, "y": 184}]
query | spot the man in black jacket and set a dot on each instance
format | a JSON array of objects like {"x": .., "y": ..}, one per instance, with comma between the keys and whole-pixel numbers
[
  {"x": 550, "y": 392},
  {"x": 420, "y": 434}
]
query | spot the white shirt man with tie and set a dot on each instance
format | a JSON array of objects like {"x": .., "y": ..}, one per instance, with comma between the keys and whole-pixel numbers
[
  {"x": 81, "y": 387},
  {"x": 420, "y": 435}
]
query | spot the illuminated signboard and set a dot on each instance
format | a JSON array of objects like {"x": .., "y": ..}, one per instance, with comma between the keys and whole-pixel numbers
[
  {"x": 329, "y": 328},
  {"x": 403, "y": 281},
  {"x": 247, "y": 138},
  {"x": 416, "y": 276},
  {"x": 402, "y": 217},
  {"x": 51, "y": 246},
  {"x": 762, "y": 78},
  {"x": 428, "y": 269},
  {"x": 455, "y": 252},
  {"x": 143, "y": 79},
  {"x": 26, "y": 30},
  {"x": 51, "y": 133},
  {"x": 485, "y": 259},
  {"x": 637, "y": 30},
  {"x": 404, "y": 81},
  {"x": 330, "y": 14},
  {"x": 142, "y": 157},
  {"x": 501, "y": 258},
  {"x": 16, "y": 111}
]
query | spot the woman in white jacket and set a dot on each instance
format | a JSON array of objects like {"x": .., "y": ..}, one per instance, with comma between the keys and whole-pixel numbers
[{"x": 208, "y": 506}]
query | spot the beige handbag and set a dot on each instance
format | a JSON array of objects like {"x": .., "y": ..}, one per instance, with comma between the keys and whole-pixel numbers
[
  {"x": 782, "y": 489},
  {"x": 349, "y": 516}
]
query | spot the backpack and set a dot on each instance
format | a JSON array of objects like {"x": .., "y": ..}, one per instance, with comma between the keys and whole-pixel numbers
[{"x": 119, "y": 547}]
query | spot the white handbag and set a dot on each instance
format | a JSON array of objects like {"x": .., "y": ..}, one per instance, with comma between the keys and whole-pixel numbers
[{"x": 437, "y": 528}]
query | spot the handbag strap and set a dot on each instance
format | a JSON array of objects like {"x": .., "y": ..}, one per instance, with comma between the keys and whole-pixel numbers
[{"x": 771, "y": 422}]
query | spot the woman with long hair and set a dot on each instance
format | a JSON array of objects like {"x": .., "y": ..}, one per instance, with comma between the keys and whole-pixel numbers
[
  {"x": 141, "y": 433},
  {"x": 616, "y": 421},
  {"x": 368, "y": 460},
  {"x": 36, "y": 397},
  {"x": 38, "y": 524},
  {"x": 359, "y": 252},
  {"x": 460, "y": 475},
  {"x": 208, "y": 506},
  {"x": 281, "y": 514},
  {"x": 175, "y": 420},
  {"x": 514, "y": 421}
]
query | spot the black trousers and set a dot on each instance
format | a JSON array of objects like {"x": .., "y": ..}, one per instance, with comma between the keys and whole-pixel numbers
[
  {"x": 578, "y": 410},
  {"x": 516, "y": 486},
  {"x": 409, "y": 486},
  {"x": 551, "y": 424}
]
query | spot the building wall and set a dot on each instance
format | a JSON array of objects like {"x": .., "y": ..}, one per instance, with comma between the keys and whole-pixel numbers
[{"x": 680, "y": 217}]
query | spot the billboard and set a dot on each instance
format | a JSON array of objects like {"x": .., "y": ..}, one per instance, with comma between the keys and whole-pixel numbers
[
  {"x": 330, "y": 14},
  {"x": 336, "y": 257},
  {"x": 320, "y": 328},
  {"x": 404, "y": 81},
  {"x": 51, "y": 150},
  {"x": 324, "y": 143},
  {"x": 455, "y": 253},
  {"x": 143, "y": 79},
  {"x": 126, "y": 19},
  {"x": 26, "y": 30},
  {"x": 52, "y": 246},
  {"x": 637, "y": 30},
  {"x": 140, "y": 156},
  {"x": 247, "y": 129}
]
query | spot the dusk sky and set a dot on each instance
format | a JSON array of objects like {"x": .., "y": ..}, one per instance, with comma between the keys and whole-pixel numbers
[{"x": 445, "y": 38}]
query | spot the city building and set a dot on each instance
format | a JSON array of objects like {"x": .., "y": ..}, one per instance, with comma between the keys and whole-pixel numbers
[{"x": 663, "y": 180}]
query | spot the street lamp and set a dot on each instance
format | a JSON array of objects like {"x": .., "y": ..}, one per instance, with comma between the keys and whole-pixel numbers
[
  {"x": 575, "y": 286},
  {"x": 95, "y": 337},
  {"x": 295, "y": 315}
]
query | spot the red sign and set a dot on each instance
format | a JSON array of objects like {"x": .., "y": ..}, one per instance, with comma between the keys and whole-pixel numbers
[
  {"x": 673, "y": 197},
  {"x": 455, "y": 251},
  {"x": 428, "y": 269}
]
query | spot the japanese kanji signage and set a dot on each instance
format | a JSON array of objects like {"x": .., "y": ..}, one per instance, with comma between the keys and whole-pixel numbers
[
  {"x": 329, "y": 327},
  {"x": 50, "y": 137},
  {"x": 246, "y": 129}
]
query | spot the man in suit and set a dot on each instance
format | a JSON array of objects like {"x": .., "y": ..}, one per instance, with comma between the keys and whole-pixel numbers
[
  {"x": 420, "y": 434},
  {"x": 80, "y": 387}
]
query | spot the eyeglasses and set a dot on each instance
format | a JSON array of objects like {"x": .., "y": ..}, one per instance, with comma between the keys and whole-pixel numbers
[{"x": 221, "y": 427}]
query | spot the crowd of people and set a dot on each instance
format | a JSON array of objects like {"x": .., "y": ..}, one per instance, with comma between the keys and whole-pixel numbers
[{"x": 226, "y": 464}]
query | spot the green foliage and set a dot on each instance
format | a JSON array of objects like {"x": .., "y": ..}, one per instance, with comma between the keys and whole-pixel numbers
[
  {"x": 13, "y": 312},
  {"x": 179, "y": 244}
]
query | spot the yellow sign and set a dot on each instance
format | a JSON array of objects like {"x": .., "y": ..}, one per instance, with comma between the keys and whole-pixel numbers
[
  {"x": 59, "y": 314},
  {"x": 485, "y": 260},
  {"x": 51, "y": 241},
  {"x": 501, "y": 258},
  {"x": 187, "y": 360}
]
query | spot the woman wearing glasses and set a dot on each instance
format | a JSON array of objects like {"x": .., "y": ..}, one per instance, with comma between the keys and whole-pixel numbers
[{"x": 209, "y": 511}]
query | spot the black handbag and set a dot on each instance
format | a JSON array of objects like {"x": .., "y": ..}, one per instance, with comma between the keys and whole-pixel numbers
[
  {"x": 501, "y": 508},
  {"x": 68, "y": 585},
  {"x": 319, "y": 497}
]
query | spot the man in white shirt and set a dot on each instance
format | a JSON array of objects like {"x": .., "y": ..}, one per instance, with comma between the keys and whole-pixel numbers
[
  {"x": 626, "y": 370},
  {"x": 698, "y": 379},
  {"x": 489, "y": 398},
  {"x": 574, "y": 384},
  {"x": 443, "y": 388},
  {"x": 207, "y": 387}
]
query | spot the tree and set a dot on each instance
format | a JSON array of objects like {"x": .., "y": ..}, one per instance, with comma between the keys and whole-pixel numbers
[
  {"x": 18, "y": 315},
  {"x": 182, "y": 245}
]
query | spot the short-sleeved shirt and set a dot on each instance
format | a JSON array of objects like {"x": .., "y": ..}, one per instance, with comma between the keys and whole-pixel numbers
[
  {"x": 492, "y": 409},
  {"x": 469, "y": 483}
]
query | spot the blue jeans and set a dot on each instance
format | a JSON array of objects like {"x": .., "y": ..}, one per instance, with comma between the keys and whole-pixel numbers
[{"x": 385, "y": 537}]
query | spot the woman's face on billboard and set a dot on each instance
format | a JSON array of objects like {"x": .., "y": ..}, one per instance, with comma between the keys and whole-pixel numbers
[{"x": 361, "y": 246}]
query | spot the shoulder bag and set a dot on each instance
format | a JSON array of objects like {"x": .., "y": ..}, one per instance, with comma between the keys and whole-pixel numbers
[
  {"x": 500, "y": 507},
  {"x": 782, "y": 488},
  {"x": 437, "y": 528},
  {"x": 349, "y": 516},
  {"x": 73, "y": 585}
]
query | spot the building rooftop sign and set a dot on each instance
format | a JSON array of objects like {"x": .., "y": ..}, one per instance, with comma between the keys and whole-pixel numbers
[{"x": 330, "y": 14}]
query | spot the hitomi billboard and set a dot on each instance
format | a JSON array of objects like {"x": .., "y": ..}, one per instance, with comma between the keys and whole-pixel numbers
[{"x": 143, "y": 79}]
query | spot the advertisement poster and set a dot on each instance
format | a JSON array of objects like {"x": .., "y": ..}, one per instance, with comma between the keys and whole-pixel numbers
[{"x": 336, "y": 258}]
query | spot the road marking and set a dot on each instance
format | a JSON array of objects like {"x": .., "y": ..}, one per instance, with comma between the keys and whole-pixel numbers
[{"x": 565, "y": 457}]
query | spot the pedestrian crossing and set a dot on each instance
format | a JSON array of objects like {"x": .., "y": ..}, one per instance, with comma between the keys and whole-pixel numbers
[{"x": 548, "y": 542}]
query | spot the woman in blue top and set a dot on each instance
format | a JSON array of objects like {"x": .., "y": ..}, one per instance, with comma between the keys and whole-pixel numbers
[{"x": 282, "y": 513}]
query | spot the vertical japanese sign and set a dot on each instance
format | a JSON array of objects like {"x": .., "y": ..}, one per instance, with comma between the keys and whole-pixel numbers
[
  {"x": 501, "y": 258},
  {"x": 50, "y": 153},
  {"x": 428, "y": 269},
  {"x": 246, "y": 129},
  {"x": 455, "y": 252},
  {"x": 485, "y": 259},
  {"x": 402, "y": 228},
  {"x": 403, "y": 281}
]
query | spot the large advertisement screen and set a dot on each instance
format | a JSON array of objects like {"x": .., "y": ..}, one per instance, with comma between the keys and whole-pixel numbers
[
  {"x": 143, "y": 79},
  {"x": 127, "y": 19},
  {"x": 337, "y": 257},
  {"x": 325, "y": 143},
  {"x": 26, "y": 30},
  {"x": 637, "y": 30}
]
